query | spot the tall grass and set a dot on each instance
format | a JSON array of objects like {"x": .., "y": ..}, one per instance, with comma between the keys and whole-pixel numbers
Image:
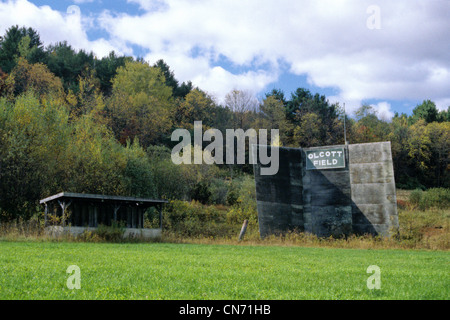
[
  {"x": 433, "y": 198},
  {"x": 423, "y": 224}
]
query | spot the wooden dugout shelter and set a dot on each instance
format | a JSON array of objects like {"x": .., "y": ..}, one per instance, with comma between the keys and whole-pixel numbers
[{"x": 79, "y": 211}]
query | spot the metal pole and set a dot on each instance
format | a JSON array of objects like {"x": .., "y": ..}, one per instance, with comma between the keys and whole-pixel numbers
[{"x": 345, "y": 131}]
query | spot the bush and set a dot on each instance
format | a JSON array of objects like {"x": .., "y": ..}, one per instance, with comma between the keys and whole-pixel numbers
[
  {"x": 415, "y": 197},
  {"x": 192, "y": 219},
  {"x": 232, "y": 195},
  {"x": 113, "y": 233},
  {"x": 244, "y": 207},
  {"x": 433, "y": 198},
  {"x": 169, "y": 178},
  {"x": 219, "y": 191},
  {"x": 201, "y": 192}
]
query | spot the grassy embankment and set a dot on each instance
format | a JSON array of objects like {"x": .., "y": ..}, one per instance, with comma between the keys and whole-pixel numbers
[{"x": 423, "y": 224}]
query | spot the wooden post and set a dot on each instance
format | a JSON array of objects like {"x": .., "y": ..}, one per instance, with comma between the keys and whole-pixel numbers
[
  {"x": 95, "y": 217},
  {"x": 64, "y": 206},
  {"x": 140, "y": 217},
  {"x": 160, "y": 217},
  {"x": 116, "y": 208},
  {"x": 243, "y": 229},
  {"x": 45, "y": 214},
  {"x": 83, "y": 215},
  {"x": 128, "y": 217},
  {"x": 91, "y": 220}
]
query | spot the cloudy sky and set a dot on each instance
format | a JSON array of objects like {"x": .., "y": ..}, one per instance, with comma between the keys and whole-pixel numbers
[{"x": 390, "y": 54}]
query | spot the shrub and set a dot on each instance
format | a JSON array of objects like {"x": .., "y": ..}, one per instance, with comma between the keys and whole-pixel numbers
[
  {"x": 415, "y": 197},
  {"x": 201, "y": 192},
  {"x": 219, "y": 191},
  {"x": 192, "y": 219},
  {"x": 113, "y": 233},
  {"x": 232, "y": 195},
  {"x": 245, "y": 205},
  {"x": 433, "y": 198},
  {"x": 401, "y": 204}
]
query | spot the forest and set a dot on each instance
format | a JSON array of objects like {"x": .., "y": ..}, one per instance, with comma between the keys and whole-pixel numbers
[{"x": 70, "y": 121}]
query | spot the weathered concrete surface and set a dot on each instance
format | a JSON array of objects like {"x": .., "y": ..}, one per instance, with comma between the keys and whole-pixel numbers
[
  {"x": 279, "y": 196},
  {"x": 373, "y": 188},
  {"x": 327, "y": 199},
  {"x": 58, "y": 231},
  {"x": 359, "y": 198}
]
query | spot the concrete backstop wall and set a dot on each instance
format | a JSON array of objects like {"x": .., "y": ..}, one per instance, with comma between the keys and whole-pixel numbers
[{"x": 350, "y": 191}]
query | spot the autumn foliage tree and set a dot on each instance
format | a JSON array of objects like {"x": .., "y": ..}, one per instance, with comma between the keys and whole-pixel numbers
[
  {"x": 141, "y": 104},
  {"x": 36, "y": 77},
  {"x": 70, "y": 121}
]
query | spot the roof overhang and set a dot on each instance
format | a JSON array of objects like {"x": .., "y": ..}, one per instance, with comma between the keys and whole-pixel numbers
[{"x": 103, "y": 199}]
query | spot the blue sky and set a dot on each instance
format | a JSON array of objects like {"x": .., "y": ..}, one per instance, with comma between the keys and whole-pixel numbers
[{"x": 390, "y": 54}]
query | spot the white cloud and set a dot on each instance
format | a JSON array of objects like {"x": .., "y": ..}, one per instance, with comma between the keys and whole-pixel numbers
[
  {"x": 54, "y": 26},
  {"x": 408, "y": 58},
  {"x": 384, "y": 111},
  {"x": 443, "y": 104},
  {"x": 83, "y": 1}
]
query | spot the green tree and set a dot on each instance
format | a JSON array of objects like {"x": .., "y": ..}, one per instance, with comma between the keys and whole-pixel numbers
[
  {"x": 426, "y": 111},
  {"x": 89, "y": 99},
  {"x": 444, "y": 115},
  {"x": 308, "y": 132},
  {"x": 419, "y": 145},
  {"x": 169, "y": 179},
  {"x": 96, "y": 160},
  {"x": 273, "y": 116},
  {"x": 68, "y": 64},
  {"x": 6, "y": 85},
  {"x": 12, "y": 47},
  {"x": 26, "y": 76},
  {"x": 399, "y": 136},
  {"x": 33, "y": 140},
  {"x": 368, "y": 127},
  {"x": 106, "y": 70},
  {"x": 303, "y": 103},
  {"x": 278, "y": 94},
  {"x": 138, "y": 172},
  {"x": 197, "y": 106},
  {"x": 439, "y": 135},
  {"x": 141, "y": 104},
  {"x": 179, "y": 91}
]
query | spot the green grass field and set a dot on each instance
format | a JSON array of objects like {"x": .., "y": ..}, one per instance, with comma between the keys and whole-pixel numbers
[{"x": 37, "y": 270}]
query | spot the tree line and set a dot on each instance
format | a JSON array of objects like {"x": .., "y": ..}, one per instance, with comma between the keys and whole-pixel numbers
[{"x": 70, "y": 121}]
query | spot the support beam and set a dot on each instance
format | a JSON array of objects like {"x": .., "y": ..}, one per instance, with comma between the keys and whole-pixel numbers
[
  {"x": 116, "y": 209},
  {"x": 128, "y": 217},
  {"x": 45, "y": 214},
  {"x": 95, "y": 217},
  {"x": 91, "y": 216},
  {"x": 64, "y": 206},
  {"x": 139, "y": 219},
  {"x": 160, "y": 217}
]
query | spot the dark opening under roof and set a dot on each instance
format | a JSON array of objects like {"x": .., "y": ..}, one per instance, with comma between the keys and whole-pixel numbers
[{"x": 102, "y": 198}]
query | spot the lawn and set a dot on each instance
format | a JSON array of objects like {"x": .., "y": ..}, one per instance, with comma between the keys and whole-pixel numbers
[{"x": 37, "y": 270}]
